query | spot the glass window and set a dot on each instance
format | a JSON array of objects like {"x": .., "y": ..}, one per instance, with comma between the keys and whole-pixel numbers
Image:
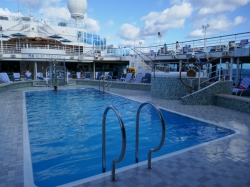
[
  {"x": 89, "y": 36},
  {"x": 89, "y": 41}
]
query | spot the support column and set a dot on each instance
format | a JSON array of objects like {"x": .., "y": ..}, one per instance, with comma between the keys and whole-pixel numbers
[
  {"x": 237, "y": 72},
  {"x": 94, "y": 70},
  {"x": 35, "y": 70},
  {"x": 180, "y": 65},
  {"x": 231, "y": 68}
]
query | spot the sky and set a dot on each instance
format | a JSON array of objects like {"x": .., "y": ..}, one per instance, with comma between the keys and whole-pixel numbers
[{"x": 137, "y": 22}]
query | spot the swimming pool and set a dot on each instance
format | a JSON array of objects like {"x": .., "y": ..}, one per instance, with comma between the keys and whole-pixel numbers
[{"x": 65, "y": 133}]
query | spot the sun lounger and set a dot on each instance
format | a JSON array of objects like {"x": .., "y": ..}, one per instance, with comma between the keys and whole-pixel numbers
[
  {"x": 128, "y": 77},
  {"x": 16, "y": 76},
  {"x": 138, "y": 78},
  {"x": 147, "y": 78},
  {"x": 28, "y": 76},
  {"x": 245, "y": 83}
]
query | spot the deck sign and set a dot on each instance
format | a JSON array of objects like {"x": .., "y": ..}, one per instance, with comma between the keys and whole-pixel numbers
[
  {"x": 46, "y": 56},
  {"x": 32, "y": 53}
]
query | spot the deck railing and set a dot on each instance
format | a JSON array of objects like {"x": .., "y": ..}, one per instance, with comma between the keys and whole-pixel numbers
[{"x": 219, "y": 43}]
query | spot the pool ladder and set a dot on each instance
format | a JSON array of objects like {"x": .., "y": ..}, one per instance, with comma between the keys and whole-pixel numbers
[
  {"x": 123, "y": 131},
  {"x": 104, "y": 141},
  {"x": 106, "y": 82}
]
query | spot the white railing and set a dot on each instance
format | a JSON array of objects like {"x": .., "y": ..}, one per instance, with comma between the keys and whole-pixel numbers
[{"x": 219, "y": 43}]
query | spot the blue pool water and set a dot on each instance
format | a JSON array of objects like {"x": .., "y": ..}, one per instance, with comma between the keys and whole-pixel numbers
[{"x": 65, "y": 130}]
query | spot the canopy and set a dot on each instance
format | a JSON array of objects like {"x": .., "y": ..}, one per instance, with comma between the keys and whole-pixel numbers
[{"x": 55, "y": 36}]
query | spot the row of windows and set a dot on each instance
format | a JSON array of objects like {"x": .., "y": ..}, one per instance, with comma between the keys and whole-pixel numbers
[{"x": 91, "y": 39}]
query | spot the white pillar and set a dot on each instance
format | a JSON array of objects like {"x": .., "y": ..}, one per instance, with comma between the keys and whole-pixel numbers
[
  {"x": 35, "y": 70},
  {"x": 231, "y": 69}
]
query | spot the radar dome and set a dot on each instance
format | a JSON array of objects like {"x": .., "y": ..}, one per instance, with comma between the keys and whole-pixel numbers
[{"x": 77, "y": 8}]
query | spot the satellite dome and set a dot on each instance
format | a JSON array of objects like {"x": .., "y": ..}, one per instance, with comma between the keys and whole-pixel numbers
[{"x": 77, "y": 8}]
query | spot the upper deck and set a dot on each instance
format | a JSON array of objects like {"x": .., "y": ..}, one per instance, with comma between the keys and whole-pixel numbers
[{"x": 40, "y": 49}]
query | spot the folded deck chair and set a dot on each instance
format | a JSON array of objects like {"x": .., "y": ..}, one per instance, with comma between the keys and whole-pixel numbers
[
  {"x": 16, "y": 76},
  {"x": 119, "y": 76},
  {"x": 128, "y": 77},
  {"x": 28, "y": 76},
  {"x": 147, "y": 78},
  {"x": 87, "y": 75},
  {"x": 78, "y": 75},
  {"x": 138, "y": 78},
  {"x": 245, "y": 83}
]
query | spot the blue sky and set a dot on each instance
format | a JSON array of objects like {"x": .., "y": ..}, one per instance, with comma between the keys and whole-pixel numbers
[{"x": 132, "y": 21}]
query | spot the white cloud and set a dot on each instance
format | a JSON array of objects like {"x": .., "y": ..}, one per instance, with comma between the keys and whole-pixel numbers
[
  {"x": 173, "y": 17},
  {"x": 91, "y": 24},
  {"x": 109, "y": 24},
  {"x": 215, "y": 6},
  {"x": 5, "y": 11},
  {"x": 128, "y": 32},
  {"x": 57, "y": 13},
  {"x": 126, "y": 43},
  {"x": 217, "y": 24}
]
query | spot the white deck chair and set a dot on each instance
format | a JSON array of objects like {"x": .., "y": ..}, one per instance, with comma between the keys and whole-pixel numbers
[
  {"x": 78, "y": 75},
  {"x": 16, "y": 76}
]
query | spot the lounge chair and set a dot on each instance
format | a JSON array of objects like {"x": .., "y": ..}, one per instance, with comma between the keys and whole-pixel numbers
[
  {"x": 98, "y": 75},
  {"x": 28, "y": 76},
  {"x": 39, "y": 75},
  {"x": 243, "y": 43},
  {"x": 128, "y": 77},
  {"x": 4, "y": 77},
  {"x": 78, "y": 75},
  {"x": 87, "y": 75},
  {"x": 119, "y": 76},
  {"x": 138, "y": 78},
  {"x": 147, "y": 78},
  {"x": 69, "y": 75},
  {"x": 245, "y": 83},
  {"x": 16, "y": 77}
]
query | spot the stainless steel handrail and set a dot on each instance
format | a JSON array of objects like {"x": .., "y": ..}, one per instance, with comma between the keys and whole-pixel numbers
[
  {"x": 123, "y": 131},
  {"x": 137, "y": 133},
  {"x": 104, "y": 78}
]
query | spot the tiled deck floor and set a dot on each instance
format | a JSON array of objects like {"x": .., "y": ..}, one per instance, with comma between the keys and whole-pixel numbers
[{"x": 223, "y": 163}]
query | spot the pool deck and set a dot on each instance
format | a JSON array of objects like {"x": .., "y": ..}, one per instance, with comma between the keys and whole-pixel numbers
[{"x": 221, "y": 163}]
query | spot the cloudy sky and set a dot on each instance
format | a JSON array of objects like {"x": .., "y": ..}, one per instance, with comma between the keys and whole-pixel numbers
[{"x": 132, "y": 21}]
